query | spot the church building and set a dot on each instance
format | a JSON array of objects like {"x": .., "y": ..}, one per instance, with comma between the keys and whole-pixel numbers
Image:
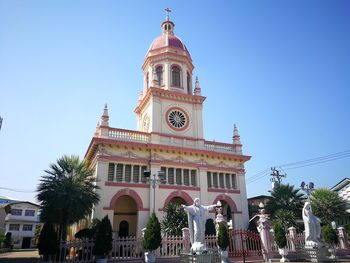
[{"x": 168, "y": 146}]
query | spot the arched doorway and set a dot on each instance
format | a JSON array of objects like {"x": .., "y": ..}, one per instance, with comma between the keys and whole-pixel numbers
[
  {"x": 125, "y": 216},
  {"x": 123, "y": 229},
  {"x": 227, "y": 212},
  {"x": 178, "y": 200}
]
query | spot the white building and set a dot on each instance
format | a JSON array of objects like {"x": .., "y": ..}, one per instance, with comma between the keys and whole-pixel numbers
[
  {"x": 343, "y": 190},
  {"x": 21, "y": 220},
  {"x": 170, "y": 138}
]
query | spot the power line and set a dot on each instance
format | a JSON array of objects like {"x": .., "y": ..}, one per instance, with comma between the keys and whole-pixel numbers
[
  {"x": 301, "y": 164},
  {"x": 17, "y": 190}
]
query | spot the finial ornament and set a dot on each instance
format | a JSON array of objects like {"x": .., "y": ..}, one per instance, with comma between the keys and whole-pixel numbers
[
  {"x": 197, "y": 87},
  {"x": 105, "y": 116},
  {"x": 167, "y": 11}
]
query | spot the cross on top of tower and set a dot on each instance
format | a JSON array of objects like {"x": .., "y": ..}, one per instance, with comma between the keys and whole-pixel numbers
[{"x": 167, "y": 11}]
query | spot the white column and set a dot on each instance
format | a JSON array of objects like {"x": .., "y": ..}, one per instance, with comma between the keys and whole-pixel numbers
[{"x": 203, "y": 184}]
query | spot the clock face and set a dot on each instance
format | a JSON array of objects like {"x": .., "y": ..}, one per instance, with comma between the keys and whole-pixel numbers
[
  {"x": 177, "y": 119},
  {"x": 145, "y": 123}
]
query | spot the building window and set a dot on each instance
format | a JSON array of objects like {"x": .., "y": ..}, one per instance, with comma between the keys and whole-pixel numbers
[
  {"x": 221, "y": 180},
  {"x": 127, "y": 173},
  {"x": 16, "y": 212},
  {"x": 193, "y": 178},
  {"x": 189, "y": 82},
  {"x": 209, "y": 179},
  {"x": 175, "y": 76},
  {"x": 119, "y": 176},
  {"x": 27, "y": 227},
  {"x": 111, "y": 172},
  {"x": 143, "y": 169},
  {"x": 178, "y": 177},
  {"x": 233, "y": 180},
  {"x": 163, "y": 169},
  {"x": 159, "y": 73},
  {"x": 215, "y": 180},
  {"x": 186, "y": 173},
  {"x": 227, "y": 179},
  {"x": 147, "y": 80},
  {"x": 29, "y": 212},
  {"x": 136, "y": 174},
  {"x": 171, "y": 176},
  {"x": 14, "y": 227}
]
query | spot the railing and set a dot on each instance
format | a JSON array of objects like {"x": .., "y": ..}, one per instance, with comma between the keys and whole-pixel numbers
[
  {"x": 216, "y": 146},
  {"x": 171, "y": 247},
  {"x": 126, "y": 247},
  {"x": 76, "y": 251},
  {"x": 128, "y": 135}
]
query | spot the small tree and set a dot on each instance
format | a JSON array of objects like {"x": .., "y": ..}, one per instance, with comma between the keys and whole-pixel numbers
[
  {"x": 103, "y": 242},
  {"x": 174, "y": 220},
  {"x": 284, "y": 218},
  {"x": 327, "y": 205},
  {"x": 223, "y": 238},
  {"x": 47, "y": 243},
  {"x": 329, "y": 235},
  {"x": 8, "y": 239},
  {"x": 280, "y": 235},
  {"x": 152, "y": 238}
]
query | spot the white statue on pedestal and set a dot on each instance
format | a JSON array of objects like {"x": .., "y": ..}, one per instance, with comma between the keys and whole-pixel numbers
[
  {"x": 196, "y": 224},
  {"x": 312, "y": 227}
]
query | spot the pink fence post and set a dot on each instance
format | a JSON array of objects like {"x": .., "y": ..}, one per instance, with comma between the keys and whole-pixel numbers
[
  {"x": 186, "y": 239},
  {"x": 343, "y": 239},
  {"x": 292, "y": 238}
]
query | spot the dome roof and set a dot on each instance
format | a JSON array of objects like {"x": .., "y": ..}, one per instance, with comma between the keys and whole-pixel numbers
[{"x": 167, "y": 40}]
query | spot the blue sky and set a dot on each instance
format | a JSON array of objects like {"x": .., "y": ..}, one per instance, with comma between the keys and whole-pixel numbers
[{"x": 280, "y": 70}]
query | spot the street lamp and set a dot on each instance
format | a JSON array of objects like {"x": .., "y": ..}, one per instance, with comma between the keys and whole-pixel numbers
[
  {"x": 154, "y": 182},
  {"x": 307, "y": 188}
]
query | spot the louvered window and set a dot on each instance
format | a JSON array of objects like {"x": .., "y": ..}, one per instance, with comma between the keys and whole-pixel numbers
[
  {"x": 227, "y": 179},
  {"x": 127, "y": 173},
  {"x": 171, "y": 175},
  {"x": 163, "y": 169},
  {"x": 221, "y": 180},
  {"x": 215, "y": 180},
  {"x": 233, "y": 179},
  {"x": 136, "y": 173},
  {"x": 178, "y": 177},
  {"x": 119, "y": 175},
  {"x": 186, "y": 173},
  {"x": 209, "y": 179},
  {"x": 193, "y": 177},
  {"x": 143, "y": 168},
  {"x": 110, "y": 171}
]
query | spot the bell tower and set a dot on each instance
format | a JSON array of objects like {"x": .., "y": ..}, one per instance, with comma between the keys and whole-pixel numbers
[{"x": 167, "y": 102}]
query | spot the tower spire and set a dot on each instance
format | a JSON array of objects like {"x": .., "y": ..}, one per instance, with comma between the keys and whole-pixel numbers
[
  {"x": 236, "y": 137},
  {"x": 197, "y": 87},
  {"x": 105, "y": 116}
]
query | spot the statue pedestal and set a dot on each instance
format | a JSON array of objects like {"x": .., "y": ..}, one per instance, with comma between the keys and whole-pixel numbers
[
  {"x": 206, "y": 256},
  {"x": 317, "y": 254},
  {"x": 198, "y": 248}
]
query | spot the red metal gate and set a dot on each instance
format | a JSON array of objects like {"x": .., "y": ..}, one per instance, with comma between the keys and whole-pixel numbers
[{"x": 244, "y": 243}]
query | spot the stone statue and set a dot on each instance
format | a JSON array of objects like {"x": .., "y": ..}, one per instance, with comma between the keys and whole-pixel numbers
[
  {"x": 196, "y": 224},
  {"x": 312, "y": 227}
]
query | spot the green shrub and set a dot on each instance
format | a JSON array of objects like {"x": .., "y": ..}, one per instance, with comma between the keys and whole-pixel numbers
[
  {"x": 280, "y": 236},
  {"x": 152, "y": 237},
  {"x": 8, "y": 240},
  {"x": 47, "y": 243},
  {"x": 223, "y": 238},
  {"x": 103, "y": 242},
  {"x": 329, "y": 235}
]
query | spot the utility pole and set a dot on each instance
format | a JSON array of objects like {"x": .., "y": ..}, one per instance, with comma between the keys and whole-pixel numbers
[{"x": 276, "y": 177}]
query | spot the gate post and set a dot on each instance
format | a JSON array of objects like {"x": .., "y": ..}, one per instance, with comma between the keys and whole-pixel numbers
[{"x": 186, "y": 239}]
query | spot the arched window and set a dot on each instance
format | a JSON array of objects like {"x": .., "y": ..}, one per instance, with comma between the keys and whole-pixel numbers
[
  {"x": 147, "y": 80},
  {"x": 189, "y": 91},
  {"x": 175, "y": 76},
  {"x": 159, "y": 73}
]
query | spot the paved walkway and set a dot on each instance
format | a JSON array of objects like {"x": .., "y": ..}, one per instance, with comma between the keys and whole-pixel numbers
[{"x": 19, "y": 256}]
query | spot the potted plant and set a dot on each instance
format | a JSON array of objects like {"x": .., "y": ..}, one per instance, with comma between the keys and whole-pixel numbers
[
  {"x": 223, "y": 241},
  {"x": 281, "y": 241},
  {"x": 47, "y": 243},
  {"x": 152, "y": 238},
  {"x": 330, "y": 237},
  {"x": 103, "y": 242}
]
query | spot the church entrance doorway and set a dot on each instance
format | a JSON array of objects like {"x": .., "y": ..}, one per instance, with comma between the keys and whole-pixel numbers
[
  {"x": 227, "y": 212},
  {"x": 125, "y": 216}
]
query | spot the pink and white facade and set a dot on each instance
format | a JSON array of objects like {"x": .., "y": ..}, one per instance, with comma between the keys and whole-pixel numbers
[{"x": 169, "y": 138}]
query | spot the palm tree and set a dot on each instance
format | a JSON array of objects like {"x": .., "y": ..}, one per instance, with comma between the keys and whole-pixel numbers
[
  {"x": 327, "y": 205},
  {"x": 67, "y": 192},
  {"x": 285, "y": 197}
]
